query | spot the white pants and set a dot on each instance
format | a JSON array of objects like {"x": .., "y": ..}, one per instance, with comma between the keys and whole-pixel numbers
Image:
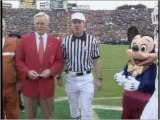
[
  {"x": 80, "y": 92},
  {"x": 150, "y": 111}
]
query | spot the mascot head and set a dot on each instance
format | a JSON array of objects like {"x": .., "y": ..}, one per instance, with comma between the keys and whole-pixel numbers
[{"x": 142, "y": 47}]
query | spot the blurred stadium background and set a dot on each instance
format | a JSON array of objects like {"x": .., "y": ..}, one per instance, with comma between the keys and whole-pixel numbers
[
  {"x": 108, "y": 26},
  {"x": 110, "y": 29}
]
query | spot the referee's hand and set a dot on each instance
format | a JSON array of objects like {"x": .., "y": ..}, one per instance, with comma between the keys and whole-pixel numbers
[
  {"x": 98, "y": 84},
  {"x": 59, "y": 81}
]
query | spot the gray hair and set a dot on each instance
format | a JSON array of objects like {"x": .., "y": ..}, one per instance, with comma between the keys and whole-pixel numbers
[{"x": 42, "y": 14}]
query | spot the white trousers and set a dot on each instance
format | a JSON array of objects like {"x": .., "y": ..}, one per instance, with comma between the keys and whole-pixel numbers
[
  {"x": 80, "y": 92},
  {"x": 150, "y": 111}
]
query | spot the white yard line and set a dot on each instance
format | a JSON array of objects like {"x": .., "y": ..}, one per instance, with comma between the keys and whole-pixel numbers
[
  {"x": 99, "y": 98},
  {"x": 111, "y": 69},
  {"x": 106, "y": 107},
  {"x": 94, "y": 115},
  {"x": 97, "y": 106},
  {"x": 60, "y": 99}
]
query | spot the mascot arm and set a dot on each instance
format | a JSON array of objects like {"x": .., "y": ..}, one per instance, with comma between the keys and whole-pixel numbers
[
  {"x": 120, "y": 77},
  {"x": 132, "y": 84}
]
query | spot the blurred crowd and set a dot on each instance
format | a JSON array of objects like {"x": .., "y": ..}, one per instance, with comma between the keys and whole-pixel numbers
[{"x": 105, "y": 25}]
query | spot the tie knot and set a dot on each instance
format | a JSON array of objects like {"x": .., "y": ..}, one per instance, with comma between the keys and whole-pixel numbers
[{"x": 40, "y": 38}]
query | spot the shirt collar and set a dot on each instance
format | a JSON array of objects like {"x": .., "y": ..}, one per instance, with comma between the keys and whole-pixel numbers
[
  {"x": 43, "y": 36},
  {"x": 83, "y": 37}
]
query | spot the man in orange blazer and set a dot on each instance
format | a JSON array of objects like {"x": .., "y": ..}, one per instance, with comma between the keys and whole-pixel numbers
[
  {"x": 21, "y": 106},
  {"x": 38, "y": 64},
  {"x": 9, "y": 78}
]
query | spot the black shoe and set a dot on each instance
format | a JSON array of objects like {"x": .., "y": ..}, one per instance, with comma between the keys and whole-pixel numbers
[
  {"x": 22, "y": 108},
  {"x": 77, "y": 118}
]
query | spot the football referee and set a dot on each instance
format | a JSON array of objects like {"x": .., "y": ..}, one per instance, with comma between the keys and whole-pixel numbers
[{"x": 81, "y": 54}]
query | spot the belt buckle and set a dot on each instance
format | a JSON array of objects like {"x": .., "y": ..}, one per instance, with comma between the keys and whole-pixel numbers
[
  {"x": 74, "y": 74},
  {"x": 84, "y": 72}
]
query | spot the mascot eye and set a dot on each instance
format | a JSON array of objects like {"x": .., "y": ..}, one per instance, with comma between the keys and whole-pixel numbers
[{"x": 143, "y": 48}]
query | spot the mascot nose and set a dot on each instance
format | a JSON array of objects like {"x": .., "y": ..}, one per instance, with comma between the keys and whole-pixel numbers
[{"x": 135, "y": 48}]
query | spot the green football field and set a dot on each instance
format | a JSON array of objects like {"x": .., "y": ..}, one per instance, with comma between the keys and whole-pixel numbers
[{"x": 107, "y": 102}]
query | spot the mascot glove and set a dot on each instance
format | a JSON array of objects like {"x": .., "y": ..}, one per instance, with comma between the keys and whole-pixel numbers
[
  {"x": 120, "y": 79},
  {"x": 132, "y": 84}
]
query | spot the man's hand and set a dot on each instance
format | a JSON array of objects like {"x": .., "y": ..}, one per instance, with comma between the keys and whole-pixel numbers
[
  {"x": 98, "y": 84},
  {"x": 46, "y": 73},
  {"x": 33, "y": 74}
]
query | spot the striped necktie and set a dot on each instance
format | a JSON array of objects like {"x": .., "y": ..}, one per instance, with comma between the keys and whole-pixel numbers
[{"x": 41, "y": 49}]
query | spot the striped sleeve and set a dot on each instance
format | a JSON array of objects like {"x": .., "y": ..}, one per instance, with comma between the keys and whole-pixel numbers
[
  {"x": 95, "y": 49},
  {"x": 64, "y": 48}
]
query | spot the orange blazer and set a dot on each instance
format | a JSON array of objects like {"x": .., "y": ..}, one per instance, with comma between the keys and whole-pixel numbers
[{"x": 9, "y": 69}]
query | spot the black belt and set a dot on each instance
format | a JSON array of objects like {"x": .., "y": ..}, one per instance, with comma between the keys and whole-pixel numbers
[{"x": 80, "y": 73}]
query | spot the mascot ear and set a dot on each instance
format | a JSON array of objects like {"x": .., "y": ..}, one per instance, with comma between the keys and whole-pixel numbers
[{"x": 132, "y": 32}]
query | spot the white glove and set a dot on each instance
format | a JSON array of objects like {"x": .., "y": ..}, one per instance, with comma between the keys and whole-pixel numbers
[
  {"x": 120, "y": 79},
  {"x": 132, "y": 84}
]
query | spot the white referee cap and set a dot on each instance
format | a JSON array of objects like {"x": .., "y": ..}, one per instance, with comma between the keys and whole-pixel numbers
[{"x": 78, "y": 16}]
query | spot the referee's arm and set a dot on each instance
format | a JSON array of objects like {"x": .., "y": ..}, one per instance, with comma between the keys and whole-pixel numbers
[
  {"x": 98, "y": 82},
  {"x": 96, "y": 64}
]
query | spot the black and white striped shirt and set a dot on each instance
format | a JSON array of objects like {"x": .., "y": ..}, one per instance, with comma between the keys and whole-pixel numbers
[{"x": 79, "y": 52}]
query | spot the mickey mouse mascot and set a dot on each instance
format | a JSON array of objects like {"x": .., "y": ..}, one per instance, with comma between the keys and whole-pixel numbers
[{"x": 139, "y": 74}]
